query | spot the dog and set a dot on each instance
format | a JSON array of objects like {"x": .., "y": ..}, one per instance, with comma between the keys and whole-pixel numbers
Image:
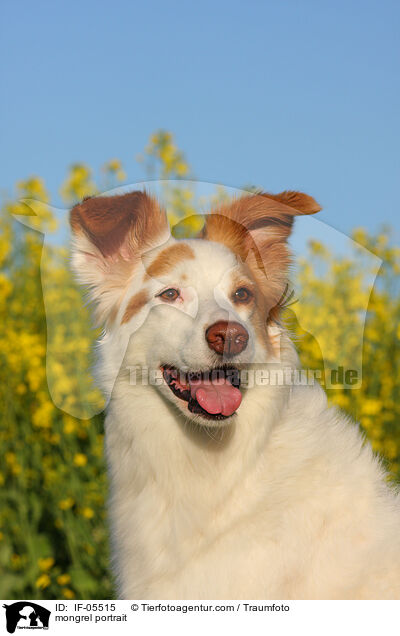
[{"x": 221, "y": 490}]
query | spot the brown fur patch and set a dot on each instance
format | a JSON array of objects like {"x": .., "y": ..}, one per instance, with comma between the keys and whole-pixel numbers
[
  {"x": 129, "y": 221},
  {"x": 300, "y": 202},
  {"x": 135, "y": 305},
  {"x": 231, "y": 223},
  {"x": 255, "y": 227},
  {"x": 168, "y": 258}
]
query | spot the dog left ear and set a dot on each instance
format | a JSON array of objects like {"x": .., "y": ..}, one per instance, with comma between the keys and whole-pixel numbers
[
  {"x": 268, "y": 216},
  {"x": 256, "y": 228},
  {"x": 257, "y": 218},
  {"x": 300, "y": 202}
]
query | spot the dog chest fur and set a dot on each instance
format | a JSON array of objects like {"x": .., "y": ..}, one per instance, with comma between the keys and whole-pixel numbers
[{"x": 267, "y": 513}]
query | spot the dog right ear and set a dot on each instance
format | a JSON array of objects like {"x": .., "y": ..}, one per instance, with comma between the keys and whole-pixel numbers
[{"x": 109, "y": 235}]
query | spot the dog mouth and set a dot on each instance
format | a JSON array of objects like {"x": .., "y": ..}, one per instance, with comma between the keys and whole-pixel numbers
[{"x": 213, "y": 394}]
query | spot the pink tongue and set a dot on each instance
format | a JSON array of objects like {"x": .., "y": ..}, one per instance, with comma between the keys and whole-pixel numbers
[{"x": 218, "y": 396}]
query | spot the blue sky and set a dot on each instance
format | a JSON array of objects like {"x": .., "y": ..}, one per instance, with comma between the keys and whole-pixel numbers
[{"x": 282, "y": 94}]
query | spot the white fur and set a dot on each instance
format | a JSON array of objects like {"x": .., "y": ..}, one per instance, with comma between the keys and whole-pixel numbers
[{"x": 285, "y": 501}]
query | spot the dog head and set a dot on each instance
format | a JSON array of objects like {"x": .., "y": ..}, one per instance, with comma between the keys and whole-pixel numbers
[{"x": 196, "y": 310}]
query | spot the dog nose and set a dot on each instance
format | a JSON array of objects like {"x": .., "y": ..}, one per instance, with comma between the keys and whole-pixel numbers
[{"x": 229, "y": 338}]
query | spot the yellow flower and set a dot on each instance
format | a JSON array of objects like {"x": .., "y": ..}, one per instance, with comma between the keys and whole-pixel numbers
[
  {"x": 10, "y": 458},
  {"x": 113, "y": 165},
  {"x": 376, "y": 446},
  {"x": 371, "y": 406},
  {"x": 43, "y": 581},
  {"x": 80, "y": 459},
  {"x": 43, "y": 416},
  {"x": 88, "y": 513},
  {"x": 341, "y": 400},
  {"x": 390, "y": 448},
  {"x": 67, "y": 593},
  {"x": 46, "y": 564},
  {"x": 63, "y": 579},
  {"x": 69, "y": 425},
  {"x": 360, "y": 236},
  {"x": 65, "y": 504},
  {"x": 181, "y": 168},
  {"x": 78, "y": 183}
]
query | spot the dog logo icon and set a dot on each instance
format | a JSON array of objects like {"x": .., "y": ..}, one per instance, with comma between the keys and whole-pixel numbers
[{"x": 26, "y": 615}]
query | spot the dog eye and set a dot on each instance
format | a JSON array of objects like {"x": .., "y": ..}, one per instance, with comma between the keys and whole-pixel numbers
[
  {"x": 169, "y": 295},
  {"x": 242, "y": 295}
]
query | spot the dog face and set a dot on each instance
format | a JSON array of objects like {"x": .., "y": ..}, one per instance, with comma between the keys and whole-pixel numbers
[
  {"x": 195, "y": 310},
  {"x": 197, "y": 324}
]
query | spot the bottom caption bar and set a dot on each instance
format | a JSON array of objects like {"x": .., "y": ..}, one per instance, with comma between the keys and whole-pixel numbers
[{"x": 126, "y": 617}]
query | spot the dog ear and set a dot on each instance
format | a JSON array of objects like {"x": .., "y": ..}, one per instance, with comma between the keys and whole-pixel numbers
[
  {"x": 256, "y": 227},
  {"x": 266, "y": 216},
  {"x": 119, "y": 225},
  {"x": 300, "y": 202},
  {"x": 109, "y": 235}
]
